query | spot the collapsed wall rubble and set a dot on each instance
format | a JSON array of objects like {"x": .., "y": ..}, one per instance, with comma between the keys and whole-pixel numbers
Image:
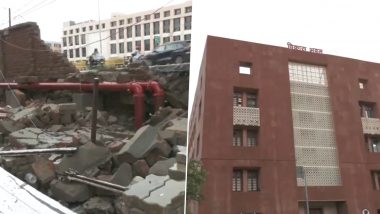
[
  {"x": 127, "y": 171},
  {"x": 23, "y": 53}
]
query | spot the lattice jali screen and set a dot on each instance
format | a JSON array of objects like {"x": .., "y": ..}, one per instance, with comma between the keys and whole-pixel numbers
[
  {"x": 305, "y": 119},
  {"x": 246, "y": 116},
  {"x": 305, "y": 88},
  {"x": 311, "y": 103},
  {"x": 321, "y": 176},
  {"x": 314, "y": 137},
  {"x": 318, "y": 157}
]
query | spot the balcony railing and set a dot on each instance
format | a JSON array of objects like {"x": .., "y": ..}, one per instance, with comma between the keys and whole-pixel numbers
[
  {"x": 371, "y": 125},
  {"x": 246, "y": 116}
]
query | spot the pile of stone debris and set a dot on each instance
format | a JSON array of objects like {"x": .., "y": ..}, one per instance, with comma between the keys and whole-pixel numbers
[{"x": 122, "y": 172}]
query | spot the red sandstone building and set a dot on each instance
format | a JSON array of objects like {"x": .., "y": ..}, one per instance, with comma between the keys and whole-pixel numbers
[{"x": 260, "y": 111}]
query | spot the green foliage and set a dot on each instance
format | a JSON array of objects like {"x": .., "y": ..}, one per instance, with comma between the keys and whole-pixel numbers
[{"x": 196, "y": 176}]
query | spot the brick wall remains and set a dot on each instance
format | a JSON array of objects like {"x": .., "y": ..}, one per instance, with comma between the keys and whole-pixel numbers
[{"x": 23, "y": 53}]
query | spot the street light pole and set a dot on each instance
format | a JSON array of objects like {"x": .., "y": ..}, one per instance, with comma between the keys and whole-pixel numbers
[
  {"x": 301, "y": 174},
  {"x": 306, "y": 193},
  {"x": 100, "y": 31},
  {"x": 9, "y": 14}
]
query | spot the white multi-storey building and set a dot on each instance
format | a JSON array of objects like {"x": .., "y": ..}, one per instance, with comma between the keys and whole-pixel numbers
[
  {"x": 54, "y": 46},
  {"x": 121, "y": 34}
]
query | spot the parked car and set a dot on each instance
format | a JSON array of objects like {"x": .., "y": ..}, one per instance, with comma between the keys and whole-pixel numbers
[
  {"x": 96, "y": 60},
  {"x": 173, "y": 52}
]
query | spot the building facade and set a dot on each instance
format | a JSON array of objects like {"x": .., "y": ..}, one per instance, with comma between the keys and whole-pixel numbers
[
  {"x": 121, "y": 34},
  {"x": 267, "y": 120},
  {"x": 54, "y": 46}
]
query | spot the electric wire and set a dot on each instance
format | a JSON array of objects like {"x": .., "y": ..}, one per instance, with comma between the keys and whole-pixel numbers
[
  {"x": 33, "y": 7},
  {"x": 24, "y": 5},
  {"x": 30, "y": 10},
  {"x": 26, "y": 13}
]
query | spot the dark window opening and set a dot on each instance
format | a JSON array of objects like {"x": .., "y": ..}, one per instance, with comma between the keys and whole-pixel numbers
[
  {"x": 367, "y": 110},
  {"x": 252, "y": 180},
  {"x": 237, "y": 180},
  {"x": 237, "y": 137}
]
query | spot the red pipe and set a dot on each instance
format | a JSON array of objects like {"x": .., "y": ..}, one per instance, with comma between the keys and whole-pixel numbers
[
  {"x": 158, "y": 93},
  {"x": 106, "y": 86},
  {"x": 138, "y": 96},
  {"x": 136, "y": 88}
]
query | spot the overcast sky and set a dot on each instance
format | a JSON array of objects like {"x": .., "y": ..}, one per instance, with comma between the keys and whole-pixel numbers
[
  {"x": 340, "y": 27},
  {"x": 50, "y": 14}
]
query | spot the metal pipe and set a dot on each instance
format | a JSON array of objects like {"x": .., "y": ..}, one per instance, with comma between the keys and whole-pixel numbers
[
  {"x": 107, "y": 86},
  {"x": 94, "y": 121},
  {"x": 306, "y": 192},
  {"x": 100, "y": 31},
  {"x": 100, "y": 182},
  {"x": 136, "y": 88},
  {"x": 152, "y": 86},
  {"x": 138, "y": 97},
  {"x": 23, "y": 152},
  {"x": 158, "y": 93},
  {"x": 9, "y": 17},
  {"x": 70, "y": 178}
]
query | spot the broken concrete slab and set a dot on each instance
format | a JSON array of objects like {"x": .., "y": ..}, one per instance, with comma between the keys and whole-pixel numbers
[
  {"x": 123, "y": 175},
  {"x": 55, "y": 128},
  {"x": 66, "y": 118},
  {"x": 175, "y": 131},
  {"x": 85, "y": 136},
  {"x": 115, "y": 146},
  {"x": 153, "y": 157},
  {"x": 136, "y": 179},
  {"x": 24, "y": 114},
  {"x": 36, "y": 138},
  {"x": 167, "y": 199},
  {"x": 67, "y": 107},
  {"x": 155, "y": 194},
  {"x": 70, "y": 192},
  {"x": 143, "y": 188},
  {"x": 25, "y": 137},
  {"x": 44, "y": 170},
  {"x": 141, "y": 168},
  {"x": 178, "y": 125},
  {"x": 98, "y": 205},
  {"x": 177, "y": 172},
  {"x": 145, "y": 140},
  {"x": 181, "y": 155},
  {"x": 87, "y": 156},
  {"x": 50, "y": 107},
  {"x": 8, "y": 126},
  {"x": 163, "y": 115},
  {"x": 161, "y": 168}
]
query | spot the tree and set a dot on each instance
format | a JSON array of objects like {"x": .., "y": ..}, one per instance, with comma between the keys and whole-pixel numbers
[{"x": 196, "y": 176}]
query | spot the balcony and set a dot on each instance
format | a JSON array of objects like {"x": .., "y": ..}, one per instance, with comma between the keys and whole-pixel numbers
[
  {"x": 246, "y": 116},
  {"x": 371, "y": 125}
]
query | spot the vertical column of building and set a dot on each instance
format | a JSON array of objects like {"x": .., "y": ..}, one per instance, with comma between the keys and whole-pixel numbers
[{"x": 314, "y": 136}]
